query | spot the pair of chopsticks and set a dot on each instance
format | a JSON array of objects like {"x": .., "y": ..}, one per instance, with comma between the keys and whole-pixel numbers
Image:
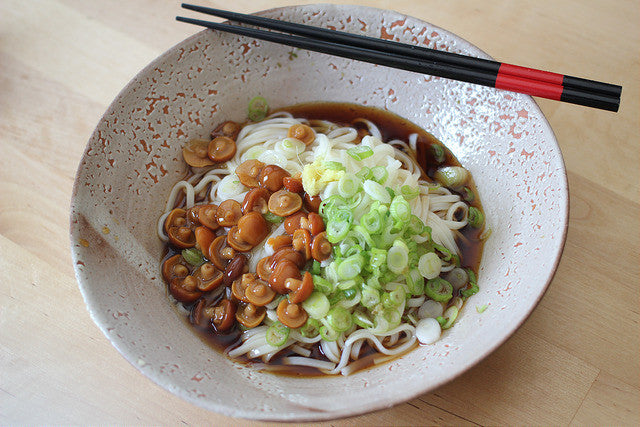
[{"x": 419, "y": 59}]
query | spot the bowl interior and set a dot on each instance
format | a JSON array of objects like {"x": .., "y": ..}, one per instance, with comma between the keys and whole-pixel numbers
[{"x": 133, "y": 159}]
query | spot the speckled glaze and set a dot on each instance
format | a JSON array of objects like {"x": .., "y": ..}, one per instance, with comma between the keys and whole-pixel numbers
[{"x": 133, "y": 159}]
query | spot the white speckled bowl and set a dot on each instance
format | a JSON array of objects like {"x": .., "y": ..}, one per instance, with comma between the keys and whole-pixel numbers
[{"x": 133, "y": 159}]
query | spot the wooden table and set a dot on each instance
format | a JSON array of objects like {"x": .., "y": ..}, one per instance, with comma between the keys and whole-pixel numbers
[{"x": 575, "y": 360}]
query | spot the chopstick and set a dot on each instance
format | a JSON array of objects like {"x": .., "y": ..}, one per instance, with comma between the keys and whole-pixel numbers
[{"x": 418, "y": 59}]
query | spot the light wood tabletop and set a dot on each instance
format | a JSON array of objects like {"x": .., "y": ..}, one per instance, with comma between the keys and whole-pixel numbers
[{"x": 574, "y": 361}]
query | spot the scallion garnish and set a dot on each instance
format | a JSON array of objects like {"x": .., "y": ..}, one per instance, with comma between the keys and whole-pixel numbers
[
  {"x": 360, "y": 152},
  {"x": 258, "y": 109}
]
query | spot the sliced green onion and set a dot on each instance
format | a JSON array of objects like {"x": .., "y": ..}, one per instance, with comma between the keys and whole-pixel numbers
[
  {"x": 393, "y": 316},
  {"x": 377, "y": 257},
  {"x": 349, "y": 293},
  {"x": 311, "y": 328},
  {"x": 379, "y": 174},
  {"x": 415, "y": 281},
  {"x": 409, "y": 193},
  {"x": 481, "y": 308},
  {"x": 360, "y": 152},
  {"x": 397, "y": 259},
  {"x": 339, "y": 319},
  {"x": 362, "y": 320},
  {"x": 334, "y": 166},
  {"x": 321, "y": 284},
  {"x": 364, "y": 174},
  {"x": 348, "y": 284},
  {"x": 398, "y": 295},
  {"x": 273, "y": 218},
  {"x": 400, "y": 209},
  {"x": 328, "y": 334},
  {"x": 332, "y": 204},
  {"x": 415, "y": 226},
  {"x": 438, "y": 153},
  {"x": 338, "y": 225},
  {"x": 315, "y": 267},
  {"x": 372, "y": 221},
  {"x": 277, "y": 334},
  {"x": 446, "y": 253},
  {"x": 376, "y": 191},
  {"x": 430, "y": 265},
  {"x": 452, "y": 177},
  {"x": 258, "y": 108},
  {"x": 290, "y": 147},
  {"x": 193, "y": 256},
  {"x": 370, "y": 296},
  {"x": 468, "y": 195},
  {"x": 476, "y": 217},
  {"x": 448, "y": 317},
  {"x": 438, "y": 289},
  {"x": 472, "y": 288},
  {"x": 348, "y": 185},
  {"x": 350, "y": 267},
  {"x": 317, "y": 305}
]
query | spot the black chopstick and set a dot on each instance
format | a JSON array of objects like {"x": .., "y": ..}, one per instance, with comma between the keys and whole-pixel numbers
[
  {"x": 420, "y": 52},
  {"x": 477, "y": 76}
]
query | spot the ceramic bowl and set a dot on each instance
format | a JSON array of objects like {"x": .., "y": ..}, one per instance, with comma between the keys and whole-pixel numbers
[{"x": 133, "y": 159}]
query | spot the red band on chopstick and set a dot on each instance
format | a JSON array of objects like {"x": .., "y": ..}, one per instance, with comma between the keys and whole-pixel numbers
[
  {"x": 529, "y": 87},
  {"x": 530, "y": 73}
]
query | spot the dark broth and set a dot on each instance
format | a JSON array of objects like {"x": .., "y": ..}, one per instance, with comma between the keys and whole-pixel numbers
[{"x": 391, "y": 127}]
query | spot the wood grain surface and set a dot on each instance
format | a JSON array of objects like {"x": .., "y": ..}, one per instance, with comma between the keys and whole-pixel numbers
[{"x": 575, "y": 360}]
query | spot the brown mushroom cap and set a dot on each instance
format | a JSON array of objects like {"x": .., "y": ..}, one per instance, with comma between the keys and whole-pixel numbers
[
  {"x": 176, "y": 218},
  {"x": 236, "y": 242},
  {"x": 209, "y": 277},
  {"x": 292, "y": 222},
  {"x": 195, "y": 153},
  {"x": 228, "y": 128},
  {"x": 291, "y": 314},
  {"x": 284, "y": 203},
  {"x": 221, "y": 149},
  {"x": 192, "y": 215},
  {"x": 253, "y": 228},
  {"x": 228, "y": 213},
  {"x": 250, "y": 315},
  {"x": 300, "y": 289},
  {"x": 222, "y": 315},
  {"x": 321, "y": 247},
  {"x": 278, "y": 242},
  {"x": 239, "y": 286},
  {"x": 215, "y": 252},
  {"x": 302, "y": 242},
  {"x": 263, "y": 269},
  {"x": 316, "y": 224},
  {"x": 259, "y": 293},
  {"x": 293, "y": 184},
  {"x": 185, "y": 289},
  {"x": 181, "y": 237},
  {"x": 207, "y": 216},
  {"x": 288, "y": 253},
  {"x": 249, "y": 171},
  {"x": 204, "y": 238},
  {"x": 271, "y": 177},
  {"x": 283, "y": 270},
  {"x": 175, "y": 267},
  {"x": 234, "y": 269},
  {"x": 312, "y": 203},
  {"x": 302, "y": 132},
  {"x": 256, "y": 199}
]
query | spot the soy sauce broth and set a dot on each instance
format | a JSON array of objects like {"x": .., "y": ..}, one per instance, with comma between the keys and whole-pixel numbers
[{"x": 391, "y": 127}]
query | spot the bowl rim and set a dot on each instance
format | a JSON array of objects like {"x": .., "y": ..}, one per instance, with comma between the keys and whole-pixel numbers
[{"x": 366, "y": 407}]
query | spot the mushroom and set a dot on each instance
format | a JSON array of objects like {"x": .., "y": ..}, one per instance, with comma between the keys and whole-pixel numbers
[
  {"x": 291, "y": 314},
  {"x": 195, "y": 153},
  {"x": 236, "y": 242},
  {"x": 316, "y": 224},
  {"x": 217, "y": 252},
  {"x": 284, "y": 203},
  {"x": 209, "y": 277},
  {"x": 204, "y": 238},
  {"x": 248, "y": 172},
  {"x": 292, "y": 222},
  {"x": 256, "y": 200},
  {"x": 271, "y": 177},
  {"x": 278, "y": 242},
  {"x": 176, "y": 218},
  {"x": 250, "y": 315},
  {"x": 185, "y": 289},
  {"x": 193, "y": 214},
  {"x": 302, "y": 132},
  {"x": 321, "y": 247},
  {"x": 253, "y": 228},
  {"x": 207, "y": 216},
  {"x": 175, "y": 267},
  {"x": 293, "y": 183},
  {"x": 302, "y": 242},
  {"x": 222, "y": 315},
  {"x": 181, "y": 237},
  {"x": 239, "y": 286},
  {"x": 264, "y": 268},
  {"x": 287, "y": 252},
  {"x": 234, "y": 269},
  {"x": 228, "y": 128},
  {"x": 312, "y": 203},
  {"x": 284, "y": 269},
  {"x": 259, "y": 293},
  {"x": 228, "y": 213},
  {"x": 221, "y": 149},
  {"x": 299, "y": 289}
]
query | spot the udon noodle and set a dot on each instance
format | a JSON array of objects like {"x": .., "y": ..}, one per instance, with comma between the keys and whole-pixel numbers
[{"x": 387, "y": 305}]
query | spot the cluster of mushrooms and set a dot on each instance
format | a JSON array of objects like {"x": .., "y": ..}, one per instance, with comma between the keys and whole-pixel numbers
[{"x": 226, "y": 234}]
